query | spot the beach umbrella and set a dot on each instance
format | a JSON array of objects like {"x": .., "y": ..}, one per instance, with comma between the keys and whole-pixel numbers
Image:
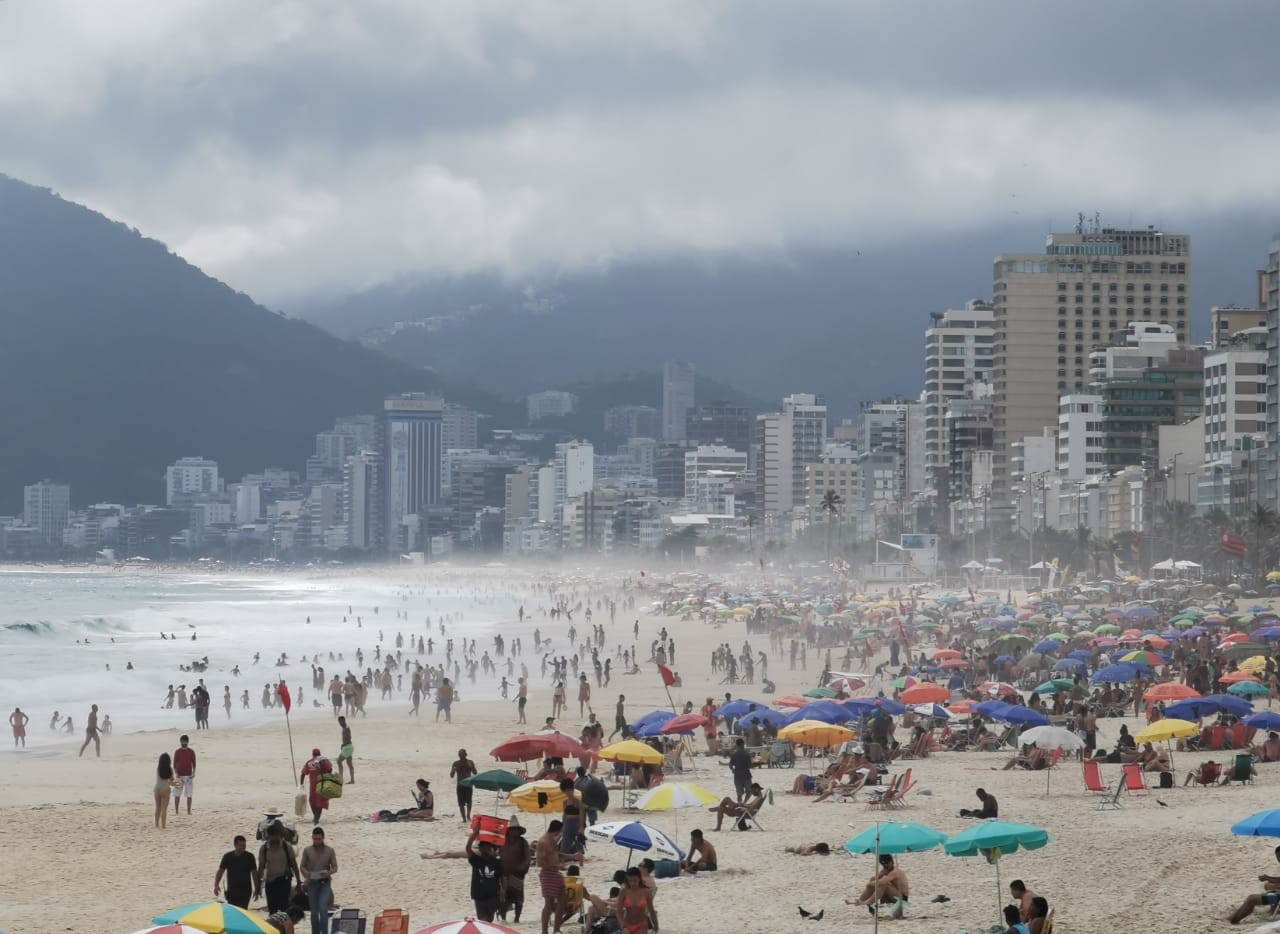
[
  {"x": 1233, "y": 677},
  {"x": 1051, "y": 737},
  {"x": 904, "y": 682},
  {"x": 1114, "y": 674},
  {"x": 825, "y": 710},
  {"x": 951, "y": 663},
  {"x": 1254, "y": 665},
  {"x": 820, "y": 692},
  {"x": 653, "y": 720},
  {"x": 216, "y": 918},
  {"x": 636, "y": 837},
  {"x": 1107, "y": 629},
  {"x": 1249, "y": 651},
  {"x": 997, "y": 689},
  {"x": 1220, "y": 703},
  {"x": 528, "y": 746},
  {"x": 1140, "y": 612},
  {"x": 170, "y": 929},
  {"x": 791, "y": 700},
  {"x": 468, "y": 926},
  {"x": 540, "y": 797},
  {"x": 764, "y": 716},
  {"x": 1248, "y": 688},
  {"x": 1163, "y": 730},
  {"x": 1012, "y": 642},
  {"x": 895, "y": 837},
  {"x": 846, "y": 685},
  {"x": 1143, "y": 657},
  {"x": 498, "y": 780},
  {"x": 991, "y": 708},
  {"x": 1169, "y": 691},
  {"x": 1047, "y": 647},
  {"x": 1263, "y": 720},
  {"x": 866, "y": 706},
  {"x": 675, "y": 796},
  {"x": 1262, "y": 824},
  {"x": 738, "y": 706},
  {"x": 684, "y": 723},
  {"x": 943, "y": 654},
  {"x": 1022, "y": 716},
  {"x": 634, "y": 751},
  {"x": 924, "y": 693},
  {"x": 1054, "y": 686},
  {"x": 961, "y": 707},
  {"x": 1068, "y": 664},
  {"x": 994, "y": 839},
  {"x": 932, "y": 710},
  {"x": 815, "y": 733}
]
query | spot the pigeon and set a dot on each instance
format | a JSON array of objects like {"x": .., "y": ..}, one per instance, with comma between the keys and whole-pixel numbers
[
  {"x": 818, "y": 916},
  {"x": 803, "y": 913},
  {"x": 1161, "y": 803}
]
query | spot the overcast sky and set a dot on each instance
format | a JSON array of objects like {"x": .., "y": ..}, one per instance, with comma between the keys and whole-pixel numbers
[{"x": 294, "y": 147}]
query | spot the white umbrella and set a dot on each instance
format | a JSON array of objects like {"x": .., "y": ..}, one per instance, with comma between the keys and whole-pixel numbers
[
  {"x": 636, "y": 836},
  {"x": 1052, "y": 737}
]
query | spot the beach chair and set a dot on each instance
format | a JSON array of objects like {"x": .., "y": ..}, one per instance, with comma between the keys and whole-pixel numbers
[
  {"x": 920, "y": 748},
  {"x": 750, "y": 819},
  {"x": 1093, "y": 777},
  {"x": 1046, "y": 926},
  {"x": 1134, "y": 781},
  {"x": 1241, "y": 770},
  {"x": 347, "y": 921},
  {"x": 1055, "y": 756},
  {"x": 880, "y": 797},
  {"x": 899, "y": 796},
  {"x": 781, "y": 755},
  {"x": 391, "y": 921},
  {"x": 1215, "y": 737}
]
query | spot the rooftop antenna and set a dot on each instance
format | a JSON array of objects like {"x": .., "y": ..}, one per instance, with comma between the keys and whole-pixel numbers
[
  {"x": 1097, "y": 221},
  {"x": 1080, "y": 222}
]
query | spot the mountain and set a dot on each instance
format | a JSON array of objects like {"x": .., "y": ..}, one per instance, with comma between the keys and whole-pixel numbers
[
  {"x": 847, "y": 324},
  {"x": 118, "y": 357}
]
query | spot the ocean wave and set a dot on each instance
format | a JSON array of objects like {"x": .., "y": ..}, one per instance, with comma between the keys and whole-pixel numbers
[{"x": 44, "y": 627}]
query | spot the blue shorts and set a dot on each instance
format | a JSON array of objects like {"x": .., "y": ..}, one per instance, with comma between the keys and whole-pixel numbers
[{"x": 1271, "y": 898}]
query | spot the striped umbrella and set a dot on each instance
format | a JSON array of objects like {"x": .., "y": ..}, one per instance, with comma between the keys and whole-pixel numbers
[
  {"x": 171, "y": 929},
  {"x": 468, "y": 926},
  {"x": 216, "y": 918}
]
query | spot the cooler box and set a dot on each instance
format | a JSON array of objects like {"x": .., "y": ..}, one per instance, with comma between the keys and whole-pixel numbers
[
  {"x": 391, "y": 921},
  {"x": 489, "y": 829},
  {"x": 347, "y": 921}
]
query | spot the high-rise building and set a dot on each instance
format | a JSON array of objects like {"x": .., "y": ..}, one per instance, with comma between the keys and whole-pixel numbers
[
  {"x": 551, "y": 403},
  {"x": 711, "y": 458},
  {"x": 575, "y": 470},
  {"x": 45, "y": 508},
  {"x": 720, "y": 423},
  {"x": 1080, "y": 436},
  {"x": 412, "y": 457},
  {"x": 189, "y": 478},
  {"x": 1051, "y": 308},
  {"x": 460, "y": 428},
  {"x": 1235, "y": 395},
  {"x": 1134, "y": 406},
  {"x": 363, "y": 505},
  {"x": 1227, "y": 320},
  {"x": 958, "y": 353},
  {"x": 788, "y": 442},
  {"x": 677, "y": 398},
  {"x": 633, "y": 421}
]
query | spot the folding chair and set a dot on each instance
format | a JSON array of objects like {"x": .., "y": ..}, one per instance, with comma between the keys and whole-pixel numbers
[
  {"x": 881, "y": 798},
  {"x": 897, "y": 800},
  {"x": 1093, "y": 777},
  {"x": 1134, "y": 783},
  {"x": 1111, "y": 802},
  {"x": 1241, "y": 770}
]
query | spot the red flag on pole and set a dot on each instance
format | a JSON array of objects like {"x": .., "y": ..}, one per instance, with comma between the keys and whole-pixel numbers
[
  {"x": 668, "y": 676},
  {"x": 285, "y": 699}
]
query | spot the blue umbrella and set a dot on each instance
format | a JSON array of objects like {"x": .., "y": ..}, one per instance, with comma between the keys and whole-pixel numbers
[
  {"x": 653, "y": 717},
  {"x": 994, "y": 839},
  {"x": 1117, "y": 673},
  {"x": 1262, "y": 824},
  {"x": 1047, "y": 647},
  {"x": 866, "y": 706},
  {"x": 1236, "y": 706},
  {"x": 636, "y": 836},
  {"x": 763, "y": 716},
  {"x": 1267, "y": 632},
  {"x": 824, "y": 710},
  {"x": 991, "y": 708},
  {"x": 1193, "y": 708},
  {"x": 896, "y": 837},
  {"x": 737, "y": 707},
  {"x": 1140, "y": 612},
  {"x": 1263, "y": 720},
  {"x": 1006, "y": 624},
  {"x": 1004, "y": 659},
  {"x": 1023, "y": 716},
  {"x": 1082, "y": 654},
  {"x": 1068, "y": 664}
]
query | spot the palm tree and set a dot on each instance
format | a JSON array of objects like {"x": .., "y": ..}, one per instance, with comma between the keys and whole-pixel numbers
[{"x": 830, "y": 505}]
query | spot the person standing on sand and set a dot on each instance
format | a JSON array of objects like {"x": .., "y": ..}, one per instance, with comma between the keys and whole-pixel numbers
[
  {"x": 584, "y": 694},
  {"x": 91, "y": 732},
  {"x": 619, "y": 716},
  {"x": 346, "y": 751},
  {"x": 226, "y": 700},
  {"x": 522, "y": 698},
  {"x": 19, "y": 720},
  {"x": 318, "y": 864},
  {"x": 184, "y": 764},
  {"x": 163, "y": 788},
  {"x": 444, "y": 701},
  {"x": 462, "y": 769},
  {"x": 241, "y": 871}
]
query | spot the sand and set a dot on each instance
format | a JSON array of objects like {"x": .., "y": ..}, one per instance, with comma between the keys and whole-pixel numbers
[{"x": 80, "y": 853}]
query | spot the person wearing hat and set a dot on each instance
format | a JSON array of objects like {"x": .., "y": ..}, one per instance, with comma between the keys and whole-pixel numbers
[
  {"x": 516, "y": 858},
  {"x": 316, "y": 766},
  {"x": 486, "y": 876}
]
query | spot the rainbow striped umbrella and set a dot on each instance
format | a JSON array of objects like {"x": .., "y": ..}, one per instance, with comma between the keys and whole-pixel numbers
[{"x": 216, "y": 918}]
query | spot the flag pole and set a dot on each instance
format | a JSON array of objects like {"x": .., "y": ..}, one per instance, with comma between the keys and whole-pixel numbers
[{"x": 287, "y": 701}]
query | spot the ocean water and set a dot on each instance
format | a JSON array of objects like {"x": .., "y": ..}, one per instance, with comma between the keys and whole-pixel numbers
[{"x": 66, "y": 637}]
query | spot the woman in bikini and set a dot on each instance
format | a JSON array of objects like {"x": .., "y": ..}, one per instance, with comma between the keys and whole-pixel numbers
[
  {"x": 634, "y": 905},
  {"x": 162, "y": 789}
]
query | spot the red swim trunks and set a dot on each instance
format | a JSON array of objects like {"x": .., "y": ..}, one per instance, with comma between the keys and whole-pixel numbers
[{"x": 552, "y": 882}]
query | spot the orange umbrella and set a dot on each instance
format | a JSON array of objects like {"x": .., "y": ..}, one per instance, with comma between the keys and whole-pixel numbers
[
  {"x": 924, "y": 693},
  {"x": 1236, "y": 677},
  {"x": 961, "y": 707},
  {"x": 945, "y": 653},
  {"x": 792, "y": 700},
  {"x": 1234, "y": 637},
  {"x": 1169, "y": 691}
]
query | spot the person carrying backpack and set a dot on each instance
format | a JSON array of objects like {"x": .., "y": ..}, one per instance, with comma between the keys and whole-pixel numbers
[
  {"x": 594, "y": 794},
  {"x": 278, "y": 866}
]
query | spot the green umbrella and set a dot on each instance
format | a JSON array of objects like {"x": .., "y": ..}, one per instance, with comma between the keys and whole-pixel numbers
[
  {"x": 494, "y": 780},
  {"x": 1054, "y": 686},
  {"x": 993, "y": 839},
  {"x": 1107, "y": 629},
  {"x": 1246, "y": 688},
  {"x": 895, "y": 837},
  {"x": 1060, "y": 636},
  {"x": 819, "y": 692},
  {"x": 1012, "y": 641}
]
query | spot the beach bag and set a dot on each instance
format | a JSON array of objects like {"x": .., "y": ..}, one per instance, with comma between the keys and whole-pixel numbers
[
  {"x": 329, "y": 786},
  {"x": 300, "y": 804},
  {"x": 595, "y": 794},
  {"x": 1166, "y": 779}
]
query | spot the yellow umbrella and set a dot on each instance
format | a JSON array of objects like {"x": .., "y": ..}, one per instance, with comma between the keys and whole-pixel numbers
[
  {"x": 1161, "y": 730},
  {"x": 538, "y": 797},
  {"x": 672, "y": 795},
  {"x": 632, "y": 750},
  {"x": 1254, "y": 664},
  {"x": 815, "y": 733}
]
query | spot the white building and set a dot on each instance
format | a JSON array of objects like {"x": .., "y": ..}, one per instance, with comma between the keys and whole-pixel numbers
[
  {"x": 45, "y": 508},
  {"x": 1145, "y": 344},
  {"x": 247, "y": 502},
  {"x": 362, "y": 501},
  {"x": 677, "y": 398},
  {"x": 413, "y": 466},
  {"x": 190, "y": 478},
  {"x": 788, "y": 442},
  {"x": 1080, "y": 435},
  {"x": 575, "y": 470},
  {"x": 958, "y": 353},
  {"x": 551, "y": 403},
  {"x": 706, "y": 458},
  {"x": 1235, "y": 395}
]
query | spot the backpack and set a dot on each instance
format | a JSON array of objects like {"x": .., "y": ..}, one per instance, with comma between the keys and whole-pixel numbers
[
  {"x": 274, "y": 863},
  {"x": 329, "y": 785},
  {"x": 595, "y": 794}
]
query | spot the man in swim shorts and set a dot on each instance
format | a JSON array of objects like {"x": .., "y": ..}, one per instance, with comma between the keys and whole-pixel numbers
[
  {"x": 346, "y": 751},
  {"x": 549, "y": 859},
  {"x": 184, "y": 767}
]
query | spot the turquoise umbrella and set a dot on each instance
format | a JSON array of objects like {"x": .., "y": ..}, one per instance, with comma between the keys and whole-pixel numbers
[
  {"x": 896, "y": 837},
  {"x": 993, "y": 839},
  {"x": 1248, "y": 687}
]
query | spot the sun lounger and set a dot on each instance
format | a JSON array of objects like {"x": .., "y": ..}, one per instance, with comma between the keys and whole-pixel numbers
[{"x": 880, "y": 797}]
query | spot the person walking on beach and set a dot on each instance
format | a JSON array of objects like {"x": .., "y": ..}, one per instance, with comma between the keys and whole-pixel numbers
[
  {"x": 619, "y": 717},
  {"x": 522, "y": 698},
  {"x": 19, "y": 720},
  {"x": 241, "y": 871},
  {"x": 314, "y": 767},
  {"x": 163, "y": 788},
  {"x": 444, "y": 701},
  {"x": 346, "y": 751},
  {"x": 318, "y": 865},
  {"x": 584, "y": 694},
  {"x": 91, "y": 732},
  {"x": 462, "y": 769},
  {"x": 184, "y": 764},
  {"x": 277, "y": 868}
]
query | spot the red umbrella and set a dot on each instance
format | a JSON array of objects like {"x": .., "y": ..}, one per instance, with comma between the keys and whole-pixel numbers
[
  {"x": 997, "y": 688},
  {"x": 955, "y": 663},
  {"x": 684, "y": 723},
  {"x": 792, "y": 700},
  {"x": 945, "y": 653},
  {"x": 924, "y": 693},
  {"x": 528, "y": 746},
  {"x": 468, "y": 926},
  {"x": 846, "y": 684}
]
